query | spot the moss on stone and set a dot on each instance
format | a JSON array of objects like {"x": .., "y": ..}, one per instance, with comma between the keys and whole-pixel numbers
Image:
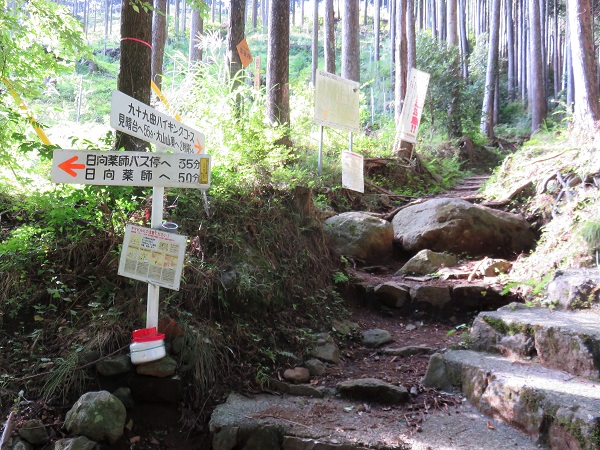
[{"x": 505, "y": 328}]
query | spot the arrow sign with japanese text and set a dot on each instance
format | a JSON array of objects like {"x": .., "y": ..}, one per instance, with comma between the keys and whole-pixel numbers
[
  {"x": 113, "y": 168},
  {"x": 146, "y": 123}
]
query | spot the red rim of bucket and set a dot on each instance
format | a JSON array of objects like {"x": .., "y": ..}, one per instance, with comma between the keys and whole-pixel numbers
[{"x": 147, "y": 335}]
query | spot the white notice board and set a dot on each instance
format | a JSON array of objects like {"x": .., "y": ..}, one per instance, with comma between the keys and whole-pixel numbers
[
  {"x": 410, "y": 117},
  {"x": 337, "y": 102},
  {"x": 352, "y": 171},
  {"x": 153, "y": 256}
]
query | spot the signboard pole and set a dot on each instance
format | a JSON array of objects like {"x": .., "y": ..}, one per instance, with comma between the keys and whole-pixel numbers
[
  {"x": 158, "y": 198},
  {"x": 350, "y": 143},
  {"x": 320, "y": 148}
]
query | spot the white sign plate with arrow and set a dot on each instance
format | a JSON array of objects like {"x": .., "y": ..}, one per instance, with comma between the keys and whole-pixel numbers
[
  {"x": 148, "y": 124},
  {"x": 112, "y": 168}
]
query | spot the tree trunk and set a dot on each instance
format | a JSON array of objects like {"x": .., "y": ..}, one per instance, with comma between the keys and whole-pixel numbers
[
  {"x": 176, "y": 17},
  {"x": 235, "y": 35},
  {"x": 106, "y": 16},
  {"x": 454, "y": 122},
  {"x": 487, "y": 110},
  {"x": 264, "y": 4},
  {"x": 451, "y": 23},
  {"x": 315, "y": 42},
  {"x": 587, "y": 108},
  {"x": 401, "y": 148},
  {"x": 350, "y": 41},
  {"x": 278, "y": 54},
  {"x": 464, "y": 41},
  {"x": 135, "y": 64},
  {"x": 196, "y": 30},
  {"x": 365, "y": 21},
  {"x": 329, "y": 37},
  {"x": 159, "y": 37},
  {"x": 377, "y": 27},
  {"x": 537, "y": 91},
  {"x": 254, "y": 13},
  {"x": 411, "y": 38},
  {"x": 393, "y": 27},
  {"x": 510, "y": 43}
]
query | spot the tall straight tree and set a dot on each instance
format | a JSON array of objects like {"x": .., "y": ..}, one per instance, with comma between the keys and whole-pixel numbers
[
  {"x": 586, "y": 108},
  {"x": 401, "y": 148},
  {"x": 491, "y": 75},
  {"x": 329, "y": 47},
  {"x": 196, "y": 30},
  {"x": 537, "y": 83},
  {"x": 235, "y": 35},
  {"x": 278, "y": 62},
  {"x": 159, "y": 37},
  {"x": 254, "y": 13},
  {"x": 135, "y": 65},
  {"x": 454, "y": 122},
  {"x": 377, "y": 26},
  {"x": 315, "y": 42},
  {"x": 510, "y": 49},
  {"x": 350, "y": 41}
]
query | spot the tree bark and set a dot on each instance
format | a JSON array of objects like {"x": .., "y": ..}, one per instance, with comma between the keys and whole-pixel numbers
[
  {"x": 315, "y": 42},
  {"x": 159, "y": 37},
  {"x": 377, "y": 27},
  {"x": 196, "y": 30},
  {"x": 235, "y": 34},
  {"x": 254, "y": 13},
  {"x": 329, "y": 37},
  {"x": 464, "y": 40},
  {"x": 411, "y": 37},
  {"x": 537, "y": 91},
  {"x": 487, "y": 110},
  {"x": 510, "y": 43},
  {"x": 350, "y": 41},
  {"x": 401, "y": 148},
  {"x": 586, "y": 109},
  {"x": 135, "y": 65},
  {"x": 278, "y": 53}
]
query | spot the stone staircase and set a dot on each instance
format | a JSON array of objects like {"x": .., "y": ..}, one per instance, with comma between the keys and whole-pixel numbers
[{"x": 534, "y": 368}]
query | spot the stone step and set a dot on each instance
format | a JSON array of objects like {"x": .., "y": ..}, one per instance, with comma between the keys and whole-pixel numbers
[
  {"x": 562, "y": 340},
  {"x": 558, "y": 409},
  {"x": 268, "y": 422}
]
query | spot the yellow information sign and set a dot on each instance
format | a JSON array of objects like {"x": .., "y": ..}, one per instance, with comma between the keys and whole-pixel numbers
[{"x": 244, "y": 52}]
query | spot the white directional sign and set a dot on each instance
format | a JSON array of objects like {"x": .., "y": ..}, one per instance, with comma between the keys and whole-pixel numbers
[
  {"x": 337, "y": 102},
  {"x": 144, "y": 122},
  {"x": 106, "y": 168}
]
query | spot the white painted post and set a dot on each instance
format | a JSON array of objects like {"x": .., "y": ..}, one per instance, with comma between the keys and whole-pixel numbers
[
  {"x": 158, "y": 196},
  {"x": 350, "y": 141}
]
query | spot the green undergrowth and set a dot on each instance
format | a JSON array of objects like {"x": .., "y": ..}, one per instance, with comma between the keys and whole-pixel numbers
[{"x": 566, "y": 218}]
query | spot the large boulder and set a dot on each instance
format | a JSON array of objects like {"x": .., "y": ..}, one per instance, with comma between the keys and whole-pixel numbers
[
  {"x": 360, "y": 235},
  {"x": 98, "y": 416},
  {"x": 457, "y": 226}
]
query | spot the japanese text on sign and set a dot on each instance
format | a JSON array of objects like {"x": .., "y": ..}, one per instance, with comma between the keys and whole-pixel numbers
[
  {"x": 337, "y": 102},
  {"x": 153, "y": 256},
  {"x": 131, "y": 168},
  {"x": 414, "y": 100},
  {"x": 142, "y": 121}
]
